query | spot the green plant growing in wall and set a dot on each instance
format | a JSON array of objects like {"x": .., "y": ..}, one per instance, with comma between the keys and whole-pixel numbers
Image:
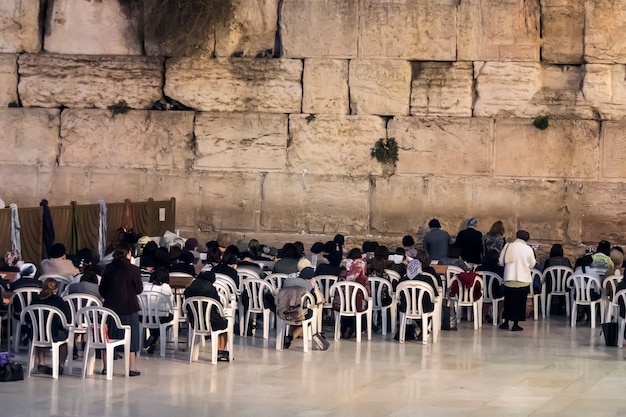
[
  {"x": 385, "y": 151},
  {"x": 541, "y": 122}
]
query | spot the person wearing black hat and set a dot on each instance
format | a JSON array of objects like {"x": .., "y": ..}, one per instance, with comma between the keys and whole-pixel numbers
[
  {"x": 184, "y": 264},
  {"x": 333, "y": 267},
  {"x": 202, "y": 286},
  {"x": 316, "y": 256},
  {"x": 58, "y": 263},
  {"x": 437, "y": 241},
  {"x": 518, "y": 259},
  {"x": 228, "y": 266}
]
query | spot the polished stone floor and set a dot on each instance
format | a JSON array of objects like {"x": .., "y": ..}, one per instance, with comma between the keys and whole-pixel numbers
[{"x": 549, "y": 369}]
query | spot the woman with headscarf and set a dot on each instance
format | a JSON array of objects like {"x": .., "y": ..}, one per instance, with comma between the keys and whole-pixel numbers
[{"x": 356, "y": 273}]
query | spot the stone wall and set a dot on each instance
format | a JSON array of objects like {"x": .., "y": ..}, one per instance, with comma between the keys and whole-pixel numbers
[{"x": 266, "y": 131}]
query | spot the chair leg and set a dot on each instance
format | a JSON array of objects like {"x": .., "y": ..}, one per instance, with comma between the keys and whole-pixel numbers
[
  {"x": 476, "y": 318},
  {"x": 214, "y": 338},
  {"x": 358, "y": 318},
  {"x": 162, "y": 340},
  {"x": 280, "y": 333},
  {"x": 593, "y": 315},
  {"x": 31, "y": 359},
  {"x": 393, "y": 313},
  {"x": 266, "y": 323},
  {"x": 547, "y": 305},
  {"x": 383, "y": 316},
  {"x": 573, "y": 315},
  {"x": 368, "y": 316},
  {"x": 110, "y": 353},
  {"x": 620, "y": 333},
  {"x": 70, "y": 351},
  {"x": 535, "y": 308},
  {"x": 337, "y": 325},
  {"x": 55, "y": 361},
  {"x": 402, "y": 329},
  {"x": 567, "y": 304},
  {"x": 306, "y": 332}
]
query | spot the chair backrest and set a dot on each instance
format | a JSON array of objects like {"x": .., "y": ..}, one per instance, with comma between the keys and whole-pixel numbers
[
  {"x": 325, "y": 283},
  {"x": 230, "y": 282},
  {"x": 200, "y": 312},
  {"x": 244, "y": 273},
  {"x": 620, "y": 298},
  {"x": 276, "y": 281},
  {"x": 64, "y": 280},
  {"x": 153, "y": 305},
  {"x": 22, "y": 297},
  {"x": 97, "y": 319},
  {"x": 557, "y": 276},
  {"x": 224, "y": 291},
  {"x": 583, "y": 284},
  {"x": 534, "y": 275},
  {"x": 42, "y": 319},
  {"x": 490, "y": 279},
  {"x": 610, "y": 285},
  {"x": 348, "y": 291},
  {"x": 451, "y": 272},
  {"x": 76, "y": 302},
  {"x": 465, "y": 295},
  {"x": 435, "y": 280},
  {"x": 377, "y": 284},
  {"x": 393, "y": 275},
  {"x": 413, "y": 292},
  {"x": 255, "y": 288}
]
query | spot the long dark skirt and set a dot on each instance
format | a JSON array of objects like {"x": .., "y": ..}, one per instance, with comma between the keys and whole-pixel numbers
[
  {"x": 135, "y": 337},
  {"x": 515, "y": 303}
]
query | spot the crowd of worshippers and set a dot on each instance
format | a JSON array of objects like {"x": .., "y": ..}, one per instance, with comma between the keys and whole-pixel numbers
[{"x": 116, "y": 280}]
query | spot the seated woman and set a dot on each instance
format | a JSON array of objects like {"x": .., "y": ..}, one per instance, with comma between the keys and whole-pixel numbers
[
  {"x": 424, "y": 258},
  {"x": 228, "y": 266},
  {"x": 288, "y": 263},
  {"x": 356, "y": 273},
  {"x": 48, "y": 296},
  {"x": 159, "y": 282},
  {"x": 617, "y": 256},
  {"x": 583, "y": 266},
  {"x": 305, "y": 281},
  {"x": 88, "y": 284},
  {"x": 185, "y": 264},
  {"x": 333, "y": 267},
  {"x": 202, "y": 286}
]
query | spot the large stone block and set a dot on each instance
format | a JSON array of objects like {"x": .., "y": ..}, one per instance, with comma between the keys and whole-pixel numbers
[
  {"x": 19, "y": 26},
  {"x": 19, "y": 185},
  {"x": 325, "y": 84},
  {"x": 62, "y": 185},
  {"x": 604, "y": 88},
  {"x": 525, "y": 89},
  {"x": 185, "y": 186},
  {"x": 29, "y": 136},
  {"x": 114, "y": 186},
  {"x": 605, "y": 21},
  {"x": 230, "y": 201},
  {"x": 445, "y": 146},
  {"x": 251, "y": 31},
  {"x": 442, "y": 89},
  {"x": 613, "y": 163},
  {"x": 315, "y": 204},
  {"x": 380, "y": 86},
  {"x": 8, "y": 79},
  {"x": 89, "y": 27},
  {"x": 244, "y": 85},
  {"x": 506, "y": 30},
  {"x": 397, "y": 205},
  {"x": 542, "y": 210},
  {"x": 603, "y": 217},
  {"x": 338, "y": 145},
  {"x": 409, "y": 29},
  {"x": 562, "y": 29},
  {"x": 137, "y": 139},
  {"x": 566, "y": 149},
  {"x": 89, "y": 81},
  {"x": 319, "y": 28},
  {"x": 238, "y": 141}
]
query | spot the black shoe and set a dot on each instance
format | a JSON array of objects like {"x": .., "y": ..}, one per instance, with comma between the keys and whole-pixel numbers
[
  {"x": 222, "y": 356},
  {"x": 151, "y": 348},
  {"x": 148, "y": 342},
  {"x": 44, "y": 369},
  {"x": 488, "y": 319},
  {"x": 287, "y": 342},
  {"x": 104, "y": 371},
  {"x": 60, "y": 370},
  {"x": 134, "y": 373},
  {"x": 516, "y": 328},
  {"x": 504, "y": 326}
]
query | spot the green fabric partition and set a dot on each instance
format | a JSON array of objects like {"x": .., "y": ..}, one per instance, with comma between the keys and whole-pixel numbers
[
  {"x": 87, "y": 224},
  {"x": 5, "y": 231},
  {"x": 62, "y": 222},
  {"x": 31, "y": 223}
]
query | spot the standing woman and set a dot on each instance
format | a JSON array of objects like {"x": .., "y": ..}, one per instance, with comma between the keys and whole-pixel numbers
[
  {"x": 494, "y": 238},
  {"x": 120, "y": 284},
  {"x": 518, "y": 259}
]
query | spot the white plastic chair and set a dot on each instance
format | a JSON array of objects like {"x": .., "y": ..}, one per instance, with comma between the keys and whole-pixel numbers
[
  {"x": 76, "y": 302},
  {"x": 255, "y": 288},
  {"x": 557, "y": 277},
  {"x": 414, "y": 292},
  {"x": 451, "y": 272},
  {"x": 23, "y": 296},
  {"x": 621, "y": 295},
  {"x": 538, "y": 298},
  {"x": 276, "y": 281},
  {"x": 376, "y": 286},
  {"x": 64, "y": 280},
  {"x": 200, "y": 312},
  {"x": 234, "y": 288},
  {"x": 609, "y": 289},
  {"x": 324, "y": 283},
  {"x": 42, "y": 318},
  {"x": 307, "y": 302},
  {"x": 98, "y": 320},
  {"x": 490, "y": 278},
  {"x": 177, "y": 296},
  {"x": 348, "y": 291},
  {"x": 154, "y": 303},
  {"x": 582, "y": 285},
  {"x": 465, "y": 298},
  {"x": 246, "y": 272},
  {"x": 438, "y": 307},
  {"x": 393, "y": 275}
]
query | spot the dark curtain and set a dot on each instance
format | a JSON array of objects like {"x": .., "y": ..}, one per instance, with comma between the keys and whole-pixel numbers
[
  {"x": 47, "y": 229},
  {"x": 31, "y": 222},
  {"x": 115, "y": 220},
  {"x": 5, "y": 231},
  {"x": 87, "y": 220},
  {"x": 62, "y": 220}
]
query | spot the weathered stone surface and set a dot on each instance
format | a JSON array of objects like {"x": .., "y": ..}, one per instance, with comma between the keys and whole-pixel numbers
[
  {"x": 229, "y": 201},
  {"x": 315, "y": 204},
  {"x": 613, "y": 163},
  {"x": 62, "y": 185},
  {"x": 410, "y": 29},
  {"x": 562, "y": 27},
  {"x": 185, "y": 186},
  {"x": 239, "y": 84},
  {"x": 602, "y": 215},
  {"x": 237, "y": 141},
  {"x": 507, "y": 30},
  {"x": 605, "y": 22},
  {"x": 251, "y": 31},
  {"x": 19, "y": 26},
  {"x": 566, "y": 149},
  {"x": 319, "y": 28},
  {"x": 380, "y": 86},
  {"x": 445, "y": 146},
  {"x": 525, "y": 89},
  {"x": 397, "y": 205},
  {"x": 115, "y": 185},
  {"x": 29, "y": 136},
  {"x": 137, "y": 139},
  {"x": 89, "y": 81},
  {"x": 8, "y": 79},
  {"x": 325, "y": 86},
  {"x": 541, "y": 210},
  {"x": 19, "y": 184},
  {"x": 333, "y": 144},
  {"x": 442, "y": 89},
  {"x": 604, "y": 88},
  {"x": 88, "y": 27}
]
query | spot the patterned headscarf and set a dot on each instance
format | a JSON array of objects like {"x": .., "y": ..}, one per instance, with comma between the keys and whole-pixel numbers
[
  {"x": 413, "y": 269},
  {"x": 357, "y": 268}
]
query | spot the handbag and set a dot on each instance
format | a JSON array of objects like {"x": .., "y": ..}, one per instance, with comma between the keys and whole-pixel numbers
[
  {"x": 11, "y": 371},
  {"x": 320, "y": 342},
  {"x": 610, "y": 333},
  {"x": 448, "y": 317}
]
